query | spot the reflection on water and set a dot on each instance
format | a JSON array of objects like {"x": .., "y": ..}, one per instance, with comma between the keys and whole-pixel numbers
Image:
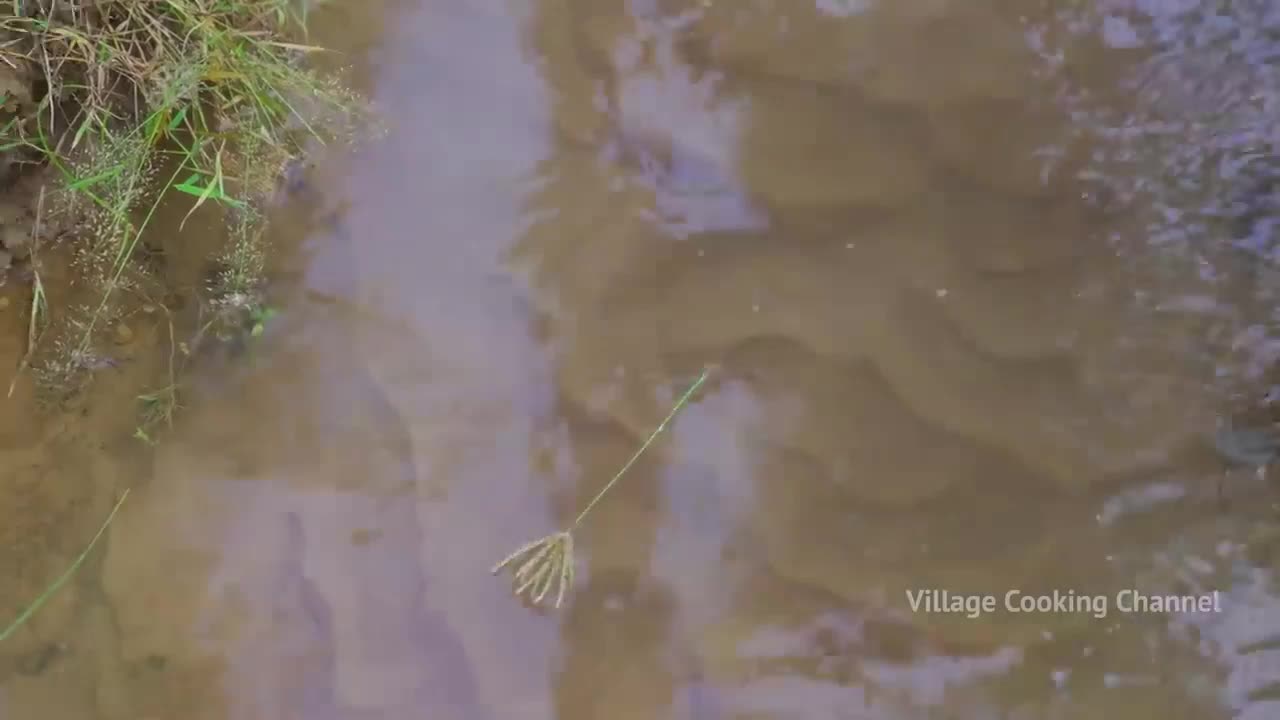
[{"x": 975, "y": 322}]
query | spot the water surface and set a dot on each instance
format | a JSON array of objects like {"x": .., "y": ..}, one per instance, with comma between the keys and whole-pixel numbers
[{"x": 974, "y": 327}]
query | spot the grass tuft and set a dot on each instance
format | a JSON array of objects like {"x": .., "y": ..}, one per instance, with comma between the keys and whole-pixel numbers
[{"x": 135, "y": 101}]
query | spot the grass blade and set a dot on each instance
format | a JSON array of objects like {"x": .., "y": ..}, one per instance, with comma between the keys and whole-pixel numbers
[{"x": 36, "y": 604}]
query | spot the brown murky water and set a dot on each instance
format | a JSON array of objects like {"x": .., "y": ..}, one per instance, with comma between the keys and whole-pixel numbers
[{"x": 962, "y": 342}]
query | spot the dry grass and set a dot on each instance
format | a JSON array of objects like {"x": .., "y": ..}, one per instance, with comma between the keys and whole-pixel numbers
[{"x": 547, "y": 563}]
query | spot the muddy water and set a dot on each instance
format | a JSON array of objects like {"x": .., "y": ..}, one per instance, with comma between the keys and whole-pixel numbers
[{"x": 969, "y": 335}]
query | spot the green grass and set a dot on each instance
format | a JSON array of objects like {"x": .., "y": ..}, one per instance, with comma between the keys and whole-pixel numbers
[
  {"x": 158, "y": 406},
  {"x": 152, "y": 99},
  {"x": 62, "y": 579},
  {"x": 131, "y": 103}
]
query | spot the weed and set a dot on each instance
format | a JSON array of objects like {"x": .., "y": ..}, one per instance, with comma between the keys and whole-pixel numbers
[
  {"x": 547, "y": 562},
  {"x": 159, "y": 406},
  {"x": 148, "y": 99}
]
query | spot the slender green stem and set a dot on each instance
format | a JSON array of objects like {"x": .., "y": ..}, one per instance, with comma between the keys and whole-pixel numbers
[
  {"x": 679, "y": 404},
  {"x": 35, "y": 605}
]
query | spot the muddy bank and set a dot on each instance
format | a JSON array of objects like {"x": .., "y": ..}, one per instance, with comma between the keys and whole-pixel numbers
[{"x": 114, "y": 282}]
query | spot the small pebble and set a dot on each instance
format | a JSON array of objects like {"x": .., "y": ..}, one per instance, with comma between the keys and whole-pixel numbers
[
  {"x": 4, "y": 303},
  {"x": 124, "y": 335}
]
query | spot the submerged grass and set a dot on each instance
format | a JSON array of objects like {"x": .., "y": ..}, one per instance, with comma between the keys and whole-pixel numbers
[
  {"x": 39, "y": 305},
  {"x": 547, "y": 563},
  {"x": 134, "y": 101},
  {"x": 62, "y": 579}
]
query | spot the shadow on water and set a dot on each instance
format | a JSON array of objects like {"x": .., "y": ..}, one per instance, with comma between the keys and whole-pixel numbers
[{"x": 977, "y": 307}]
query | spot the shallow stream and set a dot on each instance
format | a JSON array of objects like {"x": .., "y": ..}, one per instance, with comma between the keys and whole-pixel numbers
[{"x": 980, "y": 279}]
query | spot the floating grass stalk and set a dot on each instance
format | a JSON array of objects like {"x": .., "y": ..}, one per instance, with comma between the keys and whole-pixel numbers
[{"x": 546, "y": 563}]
